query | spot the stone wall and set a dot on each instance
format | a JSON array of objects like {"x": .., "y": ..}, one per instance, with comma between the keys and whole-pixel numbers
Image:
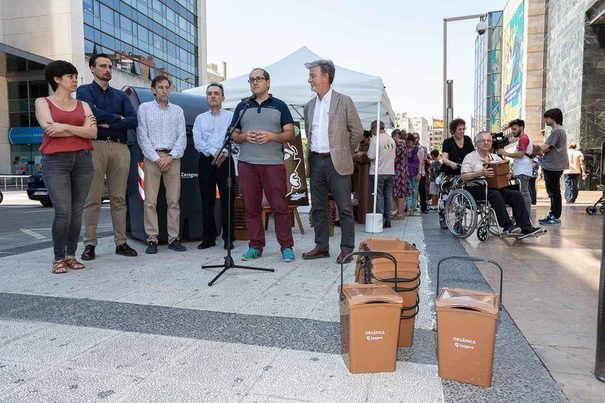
[
  {"x": 592, "y": 113},
  {"x": 534, "y": 68},
  {"x": 564, "y": 62}
]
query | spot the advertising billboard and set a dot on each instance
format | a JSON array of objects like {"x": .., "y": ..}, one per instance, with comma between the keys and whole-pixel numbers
[{"x": 513, "y": 38}]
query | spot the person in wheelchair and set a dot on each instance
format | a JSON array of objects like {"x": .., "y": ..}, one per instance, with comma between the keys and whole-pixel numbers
[{"x": 474, "y": 166}]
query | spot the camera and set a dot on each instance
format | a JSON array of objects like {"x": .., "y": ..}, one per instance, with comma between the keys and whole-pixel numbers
[{"x": 499, "y": 140}]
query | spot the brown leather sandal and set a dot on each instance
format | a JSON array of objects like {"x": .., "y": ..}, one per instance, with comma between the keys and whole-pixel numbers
[
  {"x": 73, "y": 263},
  {"x": 59, "y": 267}
]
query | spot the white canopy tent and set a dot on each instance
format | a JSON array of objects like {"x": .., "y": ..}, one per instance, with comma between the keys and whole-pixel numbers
[{"x": 289, "y": 83}]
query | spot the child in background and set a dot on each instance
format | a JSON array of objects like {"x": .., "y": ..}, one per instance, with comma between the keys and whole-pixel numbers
[{"x": 434, "y": 173}]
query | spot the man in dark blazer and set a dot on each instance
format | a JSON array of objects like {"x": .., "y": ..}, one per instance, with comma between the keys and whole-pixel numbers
[{"x": 334, "y": 131}]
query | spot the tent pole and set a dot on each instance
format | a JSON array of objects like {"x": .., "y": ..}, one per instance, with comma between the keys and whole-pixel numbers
[{"x": 376, "y": 156}]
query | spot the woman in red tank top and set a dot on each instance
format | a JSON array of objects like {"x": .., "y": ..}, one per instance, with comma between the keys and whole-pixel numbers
[{"x": 69, "y": 126}]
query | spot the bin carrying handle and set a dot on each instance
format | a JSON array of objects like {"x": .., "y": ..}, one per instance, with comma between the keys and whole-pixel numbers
[
  {"x": 471, "y": 259},
  {"x": 369, "y": 254}
]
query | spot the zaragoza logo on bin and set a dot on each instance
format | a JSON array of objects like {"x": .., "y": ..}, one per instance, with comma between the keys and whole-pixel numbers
[{"x": 374, "y": 335}]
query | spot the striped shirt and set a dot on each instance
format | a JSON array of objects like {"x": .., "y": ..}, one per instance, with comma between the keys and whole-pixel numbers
[{"x": 161, "y": 129}]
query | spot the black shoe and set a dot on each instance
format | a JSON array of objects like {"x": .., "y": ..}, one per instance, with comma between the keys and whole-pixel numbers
[
  {"x": 152, "y": 248},
  {"x": 89, "y": 253},
  {"x": 206, "y": 244},
  {"x": 228, "y": 246},
  {"x": 126, "y": 250},
  {"x": 531, "y": 230},
  {"x": 387, "y": 225},
  {"x": 177, "y": 246}
]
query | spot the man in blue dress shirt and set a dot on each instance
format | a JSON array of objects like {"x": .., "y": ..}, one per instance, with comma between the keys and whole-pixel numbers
[
  {"x": 110, "y": 158},
  {"x": 209, "y": 132}
]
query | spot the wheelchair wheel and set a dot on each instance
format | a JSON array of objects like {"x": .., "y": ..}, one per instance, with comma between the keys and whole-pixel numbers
[
  {"x": 591, "y": 210},
  {"x": 482, "y": 233},
  {"x": 461, "y": 213}
]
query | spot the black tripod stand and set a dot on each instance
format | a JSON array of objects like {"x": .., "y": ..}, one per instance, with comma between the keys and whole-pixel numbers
[{"x": 229, "y": 264}]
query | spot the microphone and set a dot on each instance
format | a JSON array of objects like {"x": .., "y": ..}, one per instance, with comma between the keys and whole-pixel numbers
[{"x": 247, "y": 100}]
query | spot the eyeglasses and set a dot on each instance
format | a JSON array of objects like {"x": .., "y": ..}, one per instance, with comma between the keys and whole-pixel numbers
[
  {"x": 484, "y": 141},
  {"x": 256, "y": 79}
]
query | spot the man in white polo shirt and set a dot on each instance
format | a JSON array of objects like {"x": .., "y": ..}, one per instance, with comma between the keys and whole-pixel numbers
[{"x": 384, "y": 170}]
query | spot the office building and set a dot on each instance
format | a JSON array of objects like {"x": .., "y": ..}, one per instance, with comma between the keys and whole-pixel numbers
[
  {"x": 488, "y": 62},
  {"x": 144, "y": 38}
]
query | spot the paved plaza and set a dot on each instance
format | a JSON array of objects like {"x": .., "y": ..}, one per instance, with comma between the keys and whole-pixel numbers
[{"x": 150, "y": 329}]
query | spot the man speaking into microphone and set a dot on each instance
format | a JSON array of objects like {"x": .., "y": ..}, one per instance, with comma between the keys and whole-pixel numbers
[
  {"x": 209, "y": 132},
  {"x": 265, "y": 124}
]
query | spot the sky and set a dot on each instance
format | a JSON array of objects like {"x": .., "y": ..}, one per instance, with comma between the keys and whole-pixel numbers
[{"x": 400, "y": 41}]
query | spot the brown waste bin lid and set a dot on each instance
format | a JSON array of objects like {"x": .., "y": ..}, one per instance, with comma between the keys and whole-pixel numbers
[
  {"x": 461, "y": 298},
  {"x": 358, "y": 294}
]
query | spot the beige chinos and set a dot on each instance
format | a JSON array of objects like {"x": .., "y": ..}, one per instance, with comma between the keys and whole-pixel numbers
[
  {"x": 172, "y": 184},
  {"x": 111, "y": 160}
]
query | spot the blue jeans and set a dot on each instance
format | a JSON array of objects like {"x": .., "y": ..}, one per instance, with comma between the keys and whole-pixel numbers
[
  {"x": 572, "y": 182},
  {"x": 410, "y": 201},
  {"x": 384, "y": 196},
  {"x": 67, "y": 177}
]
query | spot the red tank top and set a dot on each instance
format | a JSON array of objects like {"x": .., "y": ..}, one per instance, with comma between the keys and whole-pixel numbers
[{"x": 52, "y": 145}]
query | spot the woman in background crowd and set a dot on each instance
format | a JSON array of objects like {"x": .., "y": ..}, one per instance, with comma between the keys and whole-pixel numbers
[
  {"x": 435, "y": 170},
  {"x": 69, "y": 126},
  {"x": 401, "y": 182},
  {"x": 415, "y": 168}
]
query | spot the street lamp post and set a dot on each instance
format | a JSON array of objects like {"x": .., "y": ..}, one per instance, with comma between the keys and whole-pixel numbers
[{"x": 481, "y": 29}]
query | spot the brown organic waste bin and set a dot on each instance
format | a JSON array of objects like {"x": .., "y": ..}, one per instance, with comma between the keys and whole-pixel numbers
[
  {"x": 379, "y": 270},
  {"x": 466, "y": 331},
  {"x": 369, "y": 327}
]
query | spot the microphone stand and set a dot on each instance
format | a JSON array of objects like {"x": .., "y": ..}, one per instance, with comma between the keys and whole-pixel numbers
[{"x": 228, "y": 263}]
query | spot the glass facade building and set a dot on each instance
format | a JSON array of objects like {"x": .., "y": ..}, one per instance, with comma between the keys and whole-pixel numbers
[
  {"x": 488, "y": 66},
  {"x": 146, "y": 37}
]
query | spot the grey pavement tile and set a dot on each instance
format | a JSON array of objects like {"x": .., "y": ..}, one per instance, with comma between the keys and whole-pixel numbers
[
  {"x": 12, "y": 375},
  {"x": 327, "y": 309},
  {"x": 159, "y": 390},
  {"x": 580, "y": 388},
  {"x": 53, "y": 344},
  {"x": 312, "y": 377},
  {"x": 14, "y": 329},
  {"x": 226, "y": 367},
  {"x": 207, "y": 325},
  {"x": 72, "y": 385},
  {"x": 409, "y": 383},
  {"x": 226, "y": 296},
  {"x": 292, "y": 306},
  {"x": 131, "y": 354},
  {"x": 257, "y": 398},
  {"x": 423, "y": 348}
]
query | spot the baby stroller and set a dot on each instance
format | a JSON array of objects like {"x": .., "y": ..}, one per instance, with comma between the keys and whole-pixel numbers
[{"x": 599, "y": 206}]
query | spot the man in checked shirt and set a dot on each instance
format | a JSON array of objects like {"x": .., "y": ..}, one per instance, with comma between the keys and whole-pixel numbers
[{"x": 162, "y": 136}]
